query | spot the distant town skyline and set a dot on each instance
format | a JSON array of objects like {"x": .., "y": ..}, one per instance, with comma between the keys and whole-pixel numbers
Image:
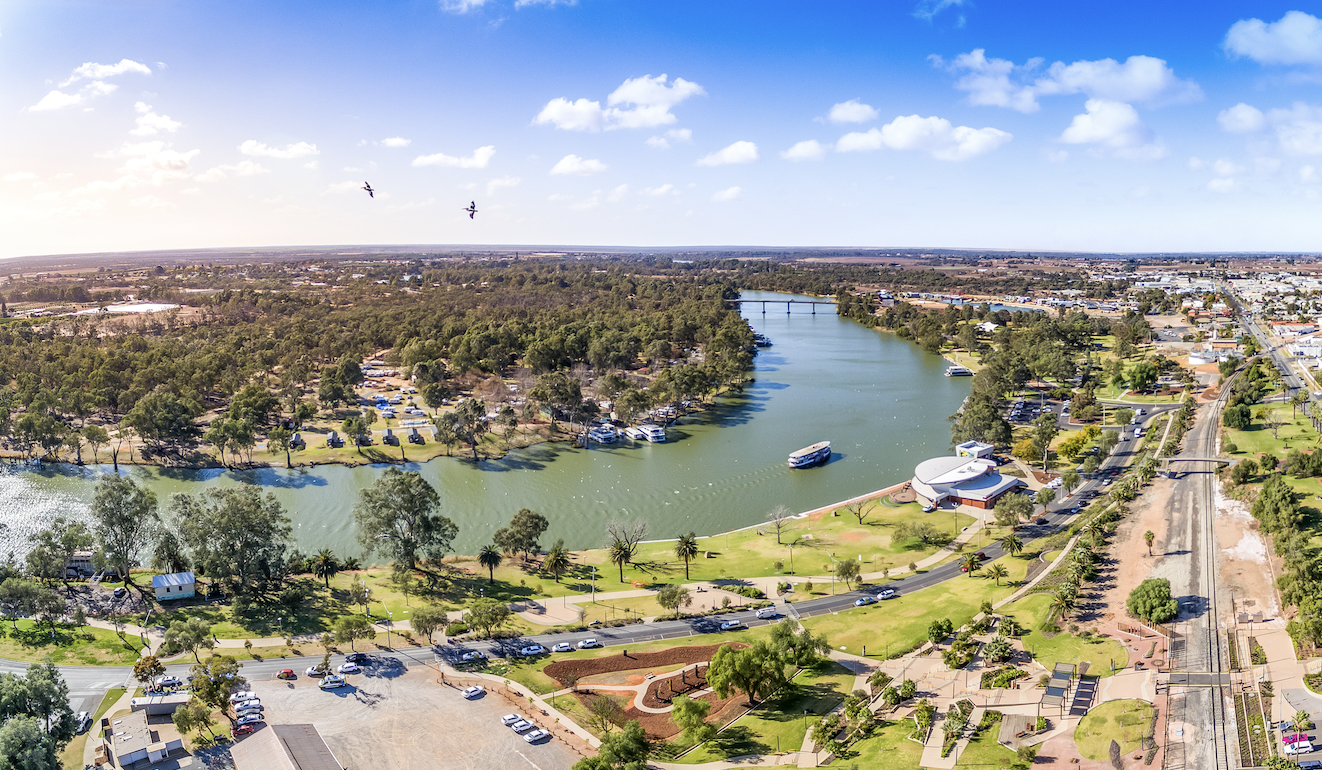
[{"x": 1122, "y": 127}]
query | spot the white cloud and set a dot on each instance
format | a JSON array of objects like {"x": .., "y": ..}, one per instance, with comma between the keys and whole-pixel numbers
[
  {"x": 928, "y": 9},
  {"x": 618, "y": 194},
  {"x": 1001, "y": 83},
  {"x": 1221, "y": 185},
  {"x": 504, "y": 181},
  {"x": 1226, "y": 167},
  {"x": 1295, "y": 39},
  {"x": 461, "y": 6},
  {"x": 1114, "y": 127},
  {"x": 298, "y": 150},
  {"x": 680, "y": 134},
  {"x": 55, "y": 100},
  {"x": 151, "y": 202},
  {"x": 665, "y": 189},
  {"x": 94, "y": 71},
  {"x": 576, "y": 166},
  {"x": 18, "y": 176},
  {"x": 1058, "y": 156},
  {"x": 1142, "y": 191},
  {"x": 560, "y": 197},
  {"x": 852, "y": 111},
  {"x": 728, "y": 194},
  {"x": 157, "y": 163},
  {"x": 242, "y": 168},
  {"x": 150, "y": 124},
  {"x": 651, "y": 99},
  {"x": 1309, "y": 175},
  {"x": 1196, "y": 164},
  {"x": 312, "y": 164},
  {"x": 1241, "y": 119},
  {"x": 1266, "y": 165},
  {"x": 547, "y": 3},
  {"x": 342, "y": 187},
  {"x": 395, "y": 141},
  {"x": 478, "y": 159},
  {"x": 933, "y": 136},
  {"x": 810, "y": 149},
  {"x": 658, "y": 143},
  {"x": 739, "y": 152},
  {"x": 1298, "y": 129}
]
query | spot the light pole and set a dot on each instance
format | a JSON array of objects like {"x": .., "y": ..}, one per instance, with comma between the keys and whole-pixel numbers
[
  {"x": 281, "y": 620},
  {"x": 791, "y": 558},
  {"x": 390, "y": 622},
  {"x": 594, "y": 584}
]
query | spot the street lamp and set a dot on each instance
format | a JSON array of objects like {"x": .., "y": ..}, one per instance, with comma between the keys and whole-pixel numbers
[
  {"x": 282, "y": 625},
  {"x": 390, "y": 622}
]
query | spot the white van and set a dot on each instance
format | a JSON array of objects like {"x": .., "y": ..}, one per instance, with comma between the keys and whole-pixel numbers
[{"x": 766, "y": 613}]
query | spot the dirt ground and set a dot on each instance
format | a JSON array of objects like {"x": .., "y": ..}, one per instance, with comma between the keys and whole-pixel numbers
[
  {"x": 565, "y": 671},
  {"x": 1243, "y": 560},
  {"x": 396, "y": 719},
  {"x": 1129, "y": 553}
]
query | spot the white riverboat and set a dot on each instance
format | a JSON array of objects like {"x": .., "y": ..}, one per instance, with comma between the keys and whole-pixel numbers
[
  {"x": 811, "y": 455},
  {"x": 959, "y": 371},
  {"x": 603, "y": 434}
]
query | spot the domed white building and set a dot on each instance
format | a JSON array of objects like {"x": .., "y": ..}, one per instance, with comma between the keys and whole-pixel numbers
[{"x": 972, "y": 481}]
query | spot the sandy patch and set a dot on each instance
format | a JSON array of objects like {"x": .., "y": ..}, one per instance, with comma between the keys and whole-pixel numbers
[
  {"x": 1146, "y": 513},
  {"x": 1244, "y": 567}
]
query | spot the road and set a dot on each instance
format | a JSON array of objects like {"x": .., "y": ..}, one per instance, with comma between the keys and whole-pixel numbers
[{"x": 87, "y": 684}]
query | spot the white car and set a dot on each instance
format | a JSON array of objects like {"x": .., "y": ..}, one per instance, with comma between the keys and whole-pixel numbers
[
  {"x": 562, "y": 647},
  {"x": 331, "y": 682},
  {"x": 471, "y": 655},
  {"x": 248, "y": 705},
  {"x": 250, "y": 719},
  {"x": 473, "y": 692},
  {"x": 349, "y": 668},
  {"x": 168, "y": 681},
  {"x": 731, "y": 625},
  {"x": 317, "y": 671},
  {"x": 1302, "y": 747},
  {"x": 242, "y": 696},
  {"x": 886, "y": 593},
  {"x": 537, "y": 735},
  {"x": 510, "y": 719},
  {"x": 522, "y": 726},
  {"x": 766, "y": 613},
  {"x": 588, "y": 644},
  {"x": 530, "y": 650}
]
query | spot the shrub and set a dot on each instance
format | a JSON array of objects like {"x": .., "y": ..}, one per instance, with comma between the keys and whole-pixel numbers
[{"x": 456, "y": 628}]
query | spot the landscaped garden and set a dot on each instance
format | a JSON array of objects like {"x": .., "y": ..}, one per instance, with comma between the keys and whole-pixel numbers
[{"x": 1127, "y": 722}]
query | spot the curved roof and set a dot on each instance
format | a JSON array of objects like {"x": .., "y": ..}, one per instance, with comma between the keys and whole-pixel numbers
[{"x": 950, "y": 470}]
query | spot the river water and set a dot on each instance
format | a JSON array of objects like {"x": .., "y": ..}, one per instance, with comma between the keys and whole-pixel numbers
[{"x": 881, "y": 401}]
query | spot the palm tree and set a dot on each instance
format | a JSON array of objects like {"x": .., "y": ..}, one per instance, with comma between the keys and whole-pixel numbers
[
  {"x": 972, "y": 562},
  {"x": 998, "y": 571},
  {"x": 1062, "y": 603},
  {"x": 557, "y": 560},
  {"x": 1011, "y": 544},
  {"x": 1148, "y": 537},
  {"x": 490, "y": 558},
  {"x": 325, "y": 565},
  {"x": 687, "y": 548},
  {"x": 620, "y": 555}
]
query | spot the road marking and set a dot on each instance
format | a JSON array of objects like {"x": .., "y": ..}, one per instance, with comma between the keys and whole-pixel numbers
[{"x": 525, "y": 759}]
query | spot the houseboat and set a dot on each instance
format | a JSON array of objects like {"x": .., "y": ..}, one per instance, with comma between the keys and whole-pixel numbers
[
  {"x": 603, "y": 434},
  {"x": 654, "y": 433},
  {"x": 959, "y": 371},
  {"x": 811, "y": 455}
]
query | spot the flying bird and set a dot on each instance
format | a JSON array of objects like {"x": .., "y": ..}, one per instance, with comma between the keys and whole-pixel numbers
[
  {"x": 368, "y": 187},
  {"x": 472, "y": 209}
]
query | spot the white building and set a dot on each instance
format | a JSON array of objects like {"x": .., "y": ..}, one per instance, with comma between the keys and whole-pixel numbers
[
  {"x": 180, "y": 585},
  {"x": 970, "y": 481}
]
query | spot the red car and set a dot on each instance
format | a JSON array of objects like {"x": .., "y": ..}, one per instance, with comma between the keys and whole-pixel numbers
[
  {"x": 286, "y": 673},
  {"x": 242, "y": 730}
]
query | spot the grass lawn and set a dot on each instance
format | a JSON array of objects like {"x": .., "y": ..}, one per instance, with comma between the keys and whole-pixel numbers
[
  {"x": 749, "y": 554},
  {"x": 887, "y": 749},
  {"x": 72, "y": 756},
  {"x": 1296, "y": 433},
  {"x": 898, "y": 624},
  {"x": 1098, "y": 652},
  {"x": 984, "y": 751},
  {"x": 780, "y": 723},
  {"x": 70, "y": 646},
  {"x": 1031, "y": 611},
  {"x": 1124, "y": 721}
]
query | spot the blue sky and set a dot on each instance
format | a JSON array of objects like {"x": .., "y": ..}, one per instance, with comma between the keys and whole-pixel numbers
[{"x": 152, "y": 124}]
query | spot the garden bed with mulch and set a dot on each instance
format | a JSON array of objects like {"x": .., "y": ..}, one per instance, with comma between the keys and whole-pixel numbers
[
  {"x": 660, "y": 727},
  {"x": 566, "y": 671},
  {"x": 662, "y": 692}
]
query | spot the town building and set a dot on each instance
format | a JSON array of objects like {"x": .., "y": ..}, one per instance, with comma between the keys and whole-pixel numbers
[
  {"x": 180, "y": 585},
  {"x": 965, "y": 480},
  {"x": 284, "y": 747}
]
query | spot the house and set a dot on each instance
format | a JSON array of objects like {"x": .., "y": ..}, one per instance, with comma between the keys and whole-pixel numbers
[
  {"x": 180, "y": 585},
  {"x": 284, "y": 747},
  {"x": 136, "y": 737},
  {"x": 974, "y": 449},
  {"x": 987, "y": 327},
  {"x": 80, "y": 563}
]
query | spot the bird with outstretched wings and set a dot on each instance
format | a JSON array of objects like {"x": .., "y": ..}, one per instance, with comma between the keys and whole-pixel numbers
[
  {"x": 472, "y": 209},
  {"x": 368, "y": 187}
]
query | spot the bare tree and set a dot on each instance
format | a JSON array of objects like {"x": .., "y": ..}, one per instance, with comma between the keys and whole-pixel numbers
[
  {"x": 780, "y": 518},
  {"x": 860, "y": 510},
  {"x": 1273, "y": 420},
  {"x": 627, "y": 532}
]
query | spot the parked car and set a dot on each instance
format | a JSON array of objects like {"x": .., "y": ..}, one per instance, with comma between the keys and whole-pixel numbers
[
  {"x": 472, "y": 655},
  {"x": 766, "y": 613},
  {"x": 886, "y": 593},
  {"x": 1303, "y": 747},
  {"x": 243, "y": 695},
  {"x": 165, "y": 680},
  {"x": 317, "y": 671},
  {"x": 248, "y": 705},
  {"x": 731, "y": 625},
  {"x": 530, "y": 650},
  {"x": 348, "y": 668},
  {"x": 587, "y": 644},
  {"x": 537, "y": 735},
  {"x": 119, "y": 593},
  {"x": 863, "y": 601},
  {"x": 522, "y": 726},
  {"x": 249, "y": 719},
  {"x": 331, "y": 682},
  {"x": 475, "y": 691},
  {"x": 562, "y": 647},
  {"x": 510, "y": 719},
  {"x": 355, "y": 657},
  {"x": 84, "y": 721},
  {"x": 929, "y": 508},
  {"x": 286, "y": 673}
]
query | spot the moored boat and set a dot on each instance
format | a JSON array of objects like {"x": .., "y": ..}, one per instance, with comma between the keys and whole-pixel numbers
[
  {"x": 654, "y": 433},
  {"x": 959, "y": 371},
  {"x": 811, "y": 455}
]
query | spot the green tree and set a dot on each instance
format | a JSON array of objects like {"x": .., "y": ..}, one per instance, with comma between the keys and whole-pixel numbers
[
  {"x": 124, "y": 522},
  {"x": 672, "y": 597},
  {"x": 802, "y": 650},
  {"x": 1069, "y": 480},
  {"x": 525, "y": 530},
  {"x": 427, "y": 619},
  {"x": 686, "y": 548},
  {"x": 188, "y": 635},
  {"x": 1152, "y": 601},
  {"x": 96, "y": 437},
  {"x": 1237, "y": 417},
  {"x": 972, "y": 563},
  {"x": 162, "y": 418},
  {"x": 399, "y": 516},
  {"x": 998, "y": 649},
  {"x": 1045, "y": 496},
  {"x": 193, "y": 715},
  {"x": 325, "y": 565},
  {"x": 1142, "y": 376},
  {"x": 756, "y": 670},
  {"x": 57, "y": 543},
  {"x": 350, "y": 629},
  {"x": 620, "y": 554},
  {"x": 147, "y": 669},
  {"x": 213, "y": 681},
  {"x": 557, "y": 560},
  {"x": 1122, "y": 416},
  {"x": 490, "y": 558},
  {"x": 1012, "y": 509},
  {"x": 234, "y": 535},
  {"x": 998, "y": 571},
  {"x": 690, "y": 716},
  {"x": 939, "y": 629},
  {"x": 1011, "y": 544},
  {"x": 1148, "y": 537},
  {"x": 487, "y": 615},
  {"x": 278, "y": 440},
  {"x": 848, "y": 571}
]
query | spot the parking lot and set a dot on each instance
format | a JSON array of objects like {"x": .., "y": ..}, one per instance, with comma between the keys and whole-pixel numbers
[{"x": 389, "y": 718}]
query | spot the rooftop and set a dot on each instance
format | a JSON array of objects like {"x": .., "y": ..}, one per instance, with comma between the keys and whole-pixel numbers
[{"x": 177, "y": 579}]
